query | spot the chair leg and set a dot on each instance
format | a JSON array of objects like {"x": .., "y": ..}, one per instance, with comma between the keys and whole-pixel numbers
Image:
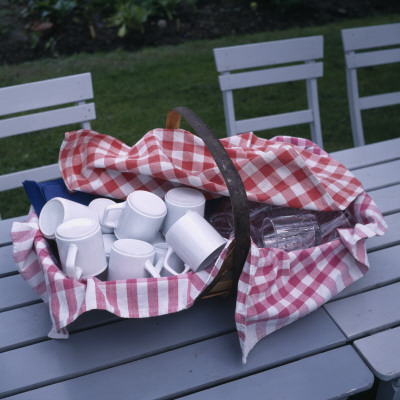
[
  {"x": 389, "y": 390},
  {"x": 229, "y": 113},
  {"x": 312, "y": 99},
  {"x": 396, "y": 389},
  {"x": 354, "y": 106}
]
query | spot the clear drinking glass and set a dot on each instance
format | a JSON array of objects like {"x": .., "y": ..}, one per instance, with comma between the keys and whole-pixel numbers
[
  {"x": 223, "y": 223},
  {"x": 291, "y": 232}
]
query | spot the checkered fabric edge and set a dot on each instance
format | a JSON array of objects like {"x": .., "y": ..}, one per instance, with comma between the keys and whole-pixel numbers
[
  {"x": 69, "y": 298},
  {"x": 276, "y": 287},
  {"x": 284, "y": 171}
]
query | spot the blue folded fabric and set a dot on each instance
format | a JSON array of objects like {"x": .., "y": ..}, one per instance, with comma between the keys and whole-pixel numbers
[{"x": 40, "y": 193}]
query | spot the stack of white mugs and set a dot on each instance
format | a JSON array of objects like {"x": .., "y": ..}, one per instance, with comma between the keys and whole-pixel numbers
[{"x": 144, "y": 236}]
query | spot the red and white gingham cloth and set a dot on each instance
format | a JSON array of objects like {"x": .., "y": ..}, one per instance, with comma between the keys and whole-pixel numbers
[
  {"x": 285, "y": 171},
  {"x": 69, "y": 298},
  {"x": 275, "y": 287},
  {"x": 278, "y": 287}
]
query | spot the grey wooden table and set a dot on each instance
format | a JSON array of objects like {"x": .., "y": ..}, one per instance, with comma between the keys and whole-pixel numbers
[
  {"x": 368, "y": 312},
  {"x": 195, "y": 353}
]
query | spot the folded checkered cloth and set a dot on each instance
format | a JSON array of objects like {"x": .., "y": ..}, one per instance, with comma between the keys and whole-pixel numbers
[{"x": 275, "y": 287}]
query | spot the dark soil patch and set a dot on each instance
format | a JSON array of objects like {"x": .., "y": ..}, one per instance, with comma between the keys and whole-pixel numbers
[{"x": 211, "y": 19}]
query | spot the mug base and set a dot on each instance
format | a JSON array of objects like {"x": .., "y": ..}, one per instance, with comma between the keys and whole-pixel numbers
[{"x": 210, "y": 260}]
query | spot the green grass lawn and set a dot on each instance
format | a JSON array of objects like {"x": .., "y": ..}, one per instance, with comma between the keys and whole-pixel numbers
[{"x": 134, "y": 91}]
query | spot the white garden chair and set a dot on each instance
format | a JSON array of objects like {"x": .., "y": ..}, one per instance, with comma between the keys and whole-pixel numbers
[
  {"x": 36, "y": 96},
  {"x": 276, "y": 62},
  {"x": 361, "y": 47}
]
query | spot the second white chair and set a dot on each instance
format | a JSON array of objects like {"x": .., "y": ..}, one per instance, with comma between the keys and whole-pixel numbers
[{"x": 276, "y": 62}]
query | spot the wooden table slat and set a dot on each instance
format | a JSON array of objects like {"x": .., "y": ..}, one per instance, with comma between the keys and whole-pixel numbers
[
  {"x": 378, "y": 176},
  {"x": 15, "y": 292},
  {"x": 36, "y": 320},
  {"x": 387, "y": 199},
  {"x": 391, "y": 236},
  {"x": 367, "y": 312},
  {"x": 384, "y": 270},
  {"x": 376, "y": 153},
  {"x": 5, "y": 229},
  {"x": 334, "y": 374},
  {"x": 382, "y": 353},
  {"x": 169, "y": 373},
  {"x": 7, "y": 264}
]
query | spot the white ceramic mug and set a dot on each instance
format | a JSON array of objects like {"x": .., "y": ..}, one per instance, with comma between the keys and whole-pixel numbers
[
  {"x": 174, "y": 265},
  {"x": 80, "y": 247},
  {"x": 98, "y": 206},
  {"x": 58, "y": 210},
  {"x": 131, "y": 259},
  {"x": 194, "y": 240},
  {"x": 179, "y": 201},
  {"x": 141, "y": 217}
]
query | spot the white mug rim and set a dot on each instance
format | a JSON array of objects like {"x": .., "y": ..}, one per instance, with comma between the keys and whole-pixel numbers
[
  {"x": 63, "y": 217},
  {"x": 96, "y": 229},
  {"x": 131, "y": 204},
  {"x": 201, "y": 199},
  {"x": 131, "y": 255}
]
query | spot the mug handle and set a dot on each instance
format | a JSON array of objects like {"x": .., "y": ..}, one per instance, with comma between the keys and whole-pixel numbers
[
  {"x": 161, "y": 250},
  {"x": 151, "y": 269},
  {"x": 170, "y": 269},
  {"x": 159, "y": 265},
  {"x": 72, "y": 270},
  {"x": 108, "y": 210}
]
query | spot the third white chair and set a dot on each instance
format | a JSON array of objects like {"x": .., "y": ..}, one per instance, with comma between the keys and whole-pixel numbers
[{"x": 361, "y": 47}]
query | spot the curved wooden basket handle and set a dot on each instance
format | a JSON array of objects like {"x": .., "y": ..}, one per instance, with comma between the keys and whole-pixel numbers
[{"x": 232, "y": 180}]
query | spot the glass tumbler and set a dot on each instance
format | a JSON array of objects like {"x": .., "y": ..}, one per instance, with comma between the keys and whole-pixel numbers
[{"x": 291, "y": 232}]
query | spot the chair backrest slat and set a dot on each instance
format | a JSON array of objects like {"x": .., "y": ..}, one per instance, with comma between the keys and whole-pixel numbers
[
  {"x": 47, "y": 120},
  {"x": 275, "y": 121},
  {"x": 373, "y": 58},
  {"x": 366, "y": 47},
  {"x": 379, "y": 100},
  {"x": 369, "y": 37},
  {"x": 270, "y": 76},
  {"x": 268, "y": 53},
  {"x": 39, "y": 174},
  {"x": 48, "y": 93}
]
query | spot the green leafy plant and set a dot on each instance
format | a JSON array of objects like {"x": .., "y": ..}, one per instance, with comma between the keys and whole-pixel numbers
[
  {"x": 45, "y": 17},
  {"x": 133, "y": 14},
  {"x": 168, "y": 8},
  {"x": 130, "y": 15},
  {"x": 94, "y": 13},
  {"x": 58, "y": 12},
  {"x": 3, "y": 27},
  {"x": 287, "y": 5},
  {"x": 284, "y": 6}
]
